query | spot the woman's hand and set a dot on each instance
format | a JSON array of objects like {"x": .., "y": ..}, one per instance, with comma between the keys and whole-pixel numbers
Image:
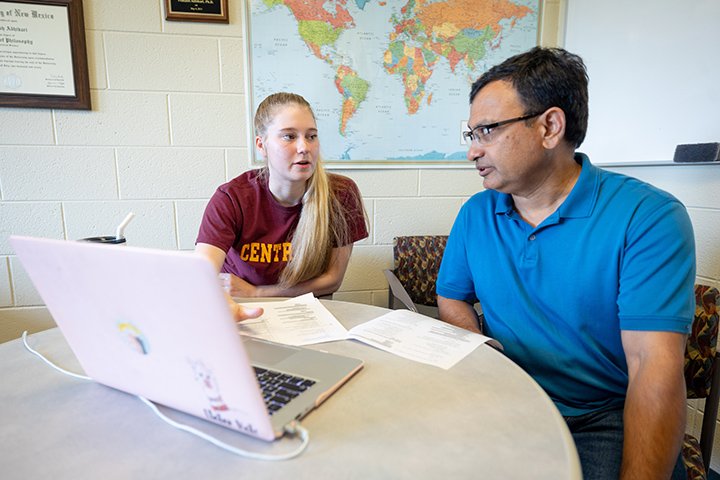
[
  {"x": 240, "y": 312},
  {"x": 232, "y": 285},
  {"x": 241, "y": 288},
  {"x": 237, "y": 287}
]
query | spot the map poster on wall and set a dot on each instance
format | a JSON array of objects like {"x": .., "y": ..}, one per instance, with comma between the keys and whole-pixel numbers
[{"x": 388, "y": 80}]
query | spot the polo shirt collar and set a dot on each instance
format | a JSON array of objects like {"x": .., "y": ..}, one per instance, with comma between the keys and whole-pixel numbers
[
  {"x": 578, "y": 204},
  {"x": 582, "y": 198}
]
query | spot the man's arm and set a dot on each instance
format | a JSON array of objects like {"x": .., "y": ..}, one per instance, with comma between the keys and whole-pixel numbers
[
  {"x": 655, "y": 407},
  {"x": 458, "y": 313}
]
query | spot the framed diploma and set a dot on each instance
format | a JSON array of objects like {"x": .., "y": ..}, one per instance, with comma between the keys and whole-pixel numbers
[
  {"x": 43, "y": 58},
  {"x": 197, "y": 10}
]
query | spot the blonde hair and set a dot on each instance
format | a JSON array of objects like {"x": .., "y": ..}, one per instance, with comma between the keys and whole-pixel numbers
[{"x": 322, "y": 224}]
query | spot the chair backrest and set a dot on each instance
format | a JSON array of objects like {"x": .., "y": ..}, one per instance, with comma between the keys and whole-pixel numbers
[
  {"x": 702, "y": 376},
  {"x": 417, "y": 261},
  {"x": 701, "y": 346}
]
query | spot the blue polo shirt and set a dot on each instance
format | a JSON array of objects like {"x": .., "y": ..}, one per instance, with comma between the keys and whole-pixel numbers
[{"x": 618, "y": 254}]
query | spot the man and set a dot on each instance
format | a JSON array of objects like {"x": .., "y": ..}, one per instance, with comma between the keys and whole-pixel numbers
[{"x": 585, "y": 276}]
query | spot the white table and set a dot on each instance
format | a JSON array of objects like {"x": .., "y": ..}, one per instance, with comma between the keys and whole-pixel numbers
[{"x": 485, "y": 418}]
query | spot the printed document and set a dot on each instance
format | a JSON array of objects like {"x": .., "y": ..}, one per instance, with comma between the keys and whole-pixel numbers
[
  {"x": 420, "y": 338},
  {"x": 297, "y": 321},
  {"x": 304, "y": 320}
]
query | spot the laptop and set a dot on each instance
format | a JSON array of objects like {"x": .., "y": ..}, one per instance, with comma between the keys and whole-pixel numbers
[{"x": 156, "y": 323}]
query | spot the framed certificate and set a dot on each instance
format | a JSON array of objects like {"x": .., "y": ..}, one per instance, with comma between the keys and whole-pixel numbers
[
  {"x": 197, "y": 10},
  {"x": 43, "y": 58}
]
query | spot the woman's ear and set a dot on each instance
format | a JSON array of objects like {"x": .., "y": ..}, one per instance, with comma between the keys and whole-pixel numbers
[
  {"x": 260, "y": 145},
  {"x": 554, "y": 123}
]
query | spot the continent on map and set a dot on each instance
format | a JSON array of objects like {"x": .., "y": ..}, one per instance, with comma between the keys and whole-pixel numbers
[
  {"x": 320, "y": 23},
  {"x": 354, "y": 91},
  {"x": 457, "y": 30}
]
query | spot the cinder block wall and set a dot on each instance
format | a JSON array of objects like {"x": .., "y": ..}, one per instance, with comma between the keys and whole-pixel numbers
[{"x": 168, "y": 125}]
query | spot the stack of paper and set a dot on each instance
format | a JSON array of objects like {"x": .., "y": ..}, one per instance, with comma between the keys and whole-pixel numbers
[
  {"x": 298, "y": 321},
  {"x": 304, "y": 320}
]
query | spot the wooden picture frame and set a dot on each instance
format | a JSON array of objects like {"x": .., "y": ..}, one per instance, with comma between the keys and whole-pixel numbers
[
  {"x": 43, "y": 55},
  {"x": 197, "y": 11}
]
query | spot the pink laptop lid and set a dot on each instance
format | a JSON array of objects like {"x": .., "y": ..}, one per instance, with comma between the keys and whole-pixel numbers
[{"x": 152, "y": 323}]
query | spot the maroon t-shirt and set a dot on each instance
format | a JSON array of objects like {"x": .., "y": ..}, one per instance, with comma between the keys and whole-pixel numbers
[{"x": 245, "y": 221}]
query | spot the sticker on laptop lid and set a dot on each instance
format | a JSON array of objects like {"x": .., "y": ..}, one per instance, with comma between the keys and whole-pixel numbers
[{"x": 134, "y": 337}]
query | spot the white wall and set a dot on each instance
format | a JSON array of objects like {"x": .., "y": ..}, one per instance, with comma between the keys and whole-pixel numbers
[
  {"x": 168, "y": 126},
  {"x": 664, "y": 49}
]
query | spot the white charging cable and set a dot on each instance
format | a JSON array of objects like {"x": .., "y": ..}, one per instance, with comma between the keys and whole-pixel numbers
[{"x": 293, "y": 428}]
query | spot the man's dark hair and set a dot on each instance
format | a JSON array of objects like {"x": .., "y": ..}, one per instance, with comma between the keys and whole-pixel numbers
[{"x": 544, "y": 78}]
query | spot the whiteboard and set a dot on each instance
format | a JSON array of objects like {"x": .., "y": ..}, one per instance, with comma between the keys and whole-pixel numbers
[{"x": 654, "y": 68}]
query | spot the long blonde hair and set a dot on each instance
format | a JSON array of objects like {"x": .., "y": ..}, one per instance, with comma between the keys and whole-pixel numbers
[{"x": 322, "y": 224}]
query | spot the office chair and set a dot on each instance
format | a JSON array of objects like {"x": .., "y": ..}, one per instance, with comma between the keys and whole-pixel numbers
[
  {"x": 412, "y": 281},
  {"x": 702, "y": 378}
]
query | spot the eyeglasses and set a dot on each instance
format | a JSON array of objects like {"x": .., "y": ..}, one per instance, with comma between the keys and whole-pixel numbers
[{"x": 483, "y": 134}]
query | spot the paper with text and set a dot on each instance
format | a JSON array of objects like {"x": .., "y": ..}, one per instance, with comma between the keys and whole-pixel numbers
[
  {"x": 417, "y": 337},
  {"x": 297, "y": 321}
]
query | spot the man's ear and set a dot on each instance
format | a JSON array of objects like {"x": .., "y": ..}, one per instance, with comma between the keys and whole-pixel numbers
[{"x": 554, "y": 123}]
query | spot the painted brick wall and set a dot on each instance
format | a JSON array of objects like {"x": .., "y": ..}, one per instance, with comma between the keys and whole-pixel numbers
[{"x": 168, "y": 125}]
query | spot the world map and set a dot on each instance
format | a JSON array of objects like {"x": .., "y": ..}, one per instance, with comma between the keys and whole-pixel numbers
[{"x": 388, "y": 80}]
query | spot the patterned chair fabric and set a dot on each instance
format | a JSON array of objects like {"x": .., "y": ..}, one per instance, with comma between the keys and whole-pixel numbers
[
  {"x": 700, "y": 368},
  {"x": 702, "y": 343},
  {"x": 417, "y": 261},
  {"x": 692, "y": 458}
]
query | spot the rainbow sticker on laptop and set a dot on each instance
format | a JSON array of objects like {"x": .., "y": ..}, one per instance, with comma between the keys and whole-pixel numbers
[{"x": 134, "y": 337}]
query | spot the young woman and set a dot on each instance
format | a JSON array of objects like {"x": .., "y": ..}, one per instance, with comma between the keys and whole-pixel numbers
[{"x": 289, "y": 227}]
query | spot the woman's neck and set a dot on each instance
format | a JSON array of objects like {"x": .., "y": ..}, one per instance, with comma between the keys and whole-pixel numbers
[{"x": 287, "y": 194}]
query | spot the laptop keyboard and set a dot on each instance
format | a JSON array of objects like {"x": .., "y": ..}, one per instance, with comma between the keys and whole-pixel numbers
[{"x": 280, "y": 388}]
